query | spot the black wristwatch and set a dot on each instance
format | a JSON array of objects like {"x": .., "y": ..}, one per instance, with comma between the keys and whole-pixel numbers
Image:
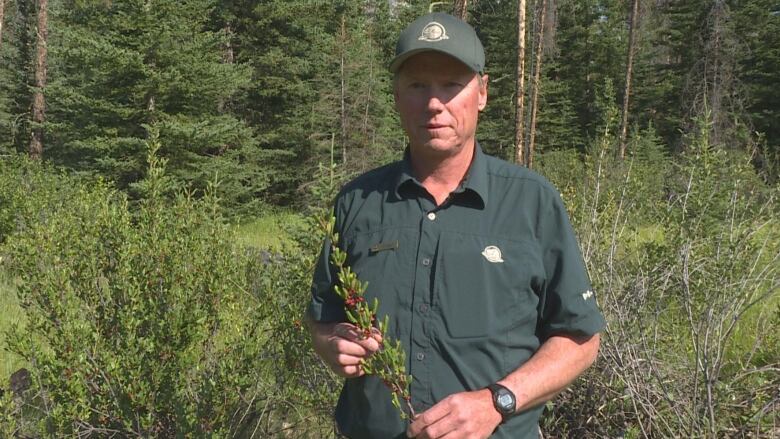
[{"x": 503, "y": 400}]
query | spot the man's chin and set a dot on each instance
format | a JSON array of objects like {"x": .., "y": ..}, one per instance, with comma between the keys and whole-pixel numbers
[{"x": 437, "y": 144}]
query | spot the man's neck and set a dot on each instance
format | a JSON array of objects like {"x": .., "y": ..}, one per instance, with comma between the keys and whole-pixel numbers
[{"x": 443, "y": 174}]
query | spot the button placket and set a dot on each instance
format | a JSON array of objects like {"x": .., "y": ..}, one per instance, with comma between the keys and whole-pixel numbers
[{"x": 420, "y": 346}]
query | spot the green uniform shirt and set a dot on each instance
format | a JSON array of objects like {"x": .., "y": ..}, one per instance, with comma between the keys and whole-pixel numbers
[{"x": 472, "y": 287}]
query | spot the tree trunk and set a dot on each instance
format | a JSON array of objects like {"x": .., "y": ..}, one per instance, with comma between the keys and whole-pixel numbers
[
  {"x": 228, "y": 57},
  {"x": 629, "y": 69},
  {"x": 520, "y": 85},
  {"x": 368, "y": 92},
  {"x": 39, "y": 103},
  {"x": 461, "y": 9},
  {"x": 343, "y": 92},
  {"x": 529, "y": 160},
  {"x": 2, "y": 20},
  {"x": 720, "y": 91}
]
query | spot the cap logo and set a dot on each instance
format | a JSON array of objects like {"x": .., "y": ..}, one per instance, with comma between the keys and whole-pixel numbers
[{"x": 433, "y": 32}]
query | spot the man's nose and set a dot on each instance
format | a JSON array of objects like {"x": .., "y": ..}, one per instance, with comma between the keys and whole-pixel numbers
[{"x": 435, "y": 103}]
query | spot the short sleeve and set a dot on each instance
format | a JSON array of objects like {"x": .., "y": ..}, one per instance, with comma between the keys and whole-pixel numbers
[
  {"x": 567, "y": 303},
  {"x": 325, "y": 305}
]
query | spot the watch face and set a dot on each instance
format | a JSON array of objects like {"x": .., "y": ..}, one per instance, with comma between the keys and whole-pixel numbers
[{"x": 505, "y": 400}]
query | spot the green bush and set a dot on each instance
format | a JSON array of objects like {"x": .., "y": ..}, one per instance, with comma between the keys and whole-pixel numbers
[
  {"x": 27, "y": 191},
  {"x": 12, "y": 314},
  {"x": 133, "y": 321},
  {"x": 305, "y": 389},
  {"x": 156, "y": 320},
  {"x": 686, "y": 263}
]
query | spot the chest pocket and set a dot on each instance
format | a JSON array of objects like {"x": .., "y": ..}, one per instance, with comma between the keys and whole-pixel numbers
[
  {"x": 486, "y": 286},
  {"x": 383, "y": 259}
]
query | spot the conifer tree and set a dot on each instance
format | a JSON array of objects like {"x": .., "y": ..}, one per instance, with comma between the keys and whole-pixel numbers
[
  {"x": 121, "y": 65},
  {"x": 665, "y": 57},
  {"x": 713, "y": 88},
  {"x": 355, "y": 82},
  {"x": 758, "y": 26},
  {"x": 590, "y": 43},
  {"x": 16, "y": 74},
  {"x": 279, "y": 40},
  {"x": 496, "y": 25},
  {"x": 558, "y": 126}
]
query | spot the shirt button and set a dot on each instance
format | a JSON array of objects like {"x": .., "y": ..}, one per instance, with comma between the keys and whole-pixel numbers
[
  {"x": 420, "y": 356},
  {"x": 423, "y": 308},
  {"x": 426, "y": 262},
  {"x": 431, "y": 216}
]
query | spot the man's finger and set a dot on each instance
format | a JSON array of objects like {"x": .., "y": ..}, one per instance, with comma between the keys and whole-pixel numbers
[
  {"x": 369, "y": 344},
  {"x": 353, "y": 334},
  {"x": 348, "y": 331},
  {"x": 347, "y": 360},
  {"x": 344, "y": 330},
  {"x": 427, "y": 418},
  {"x": 376, "y": 335},
  {"x": 350, "y": 371},
  {"x": 442, "y": 428},
  {"x": 454, "y": 434},
  {"x": 348, "y": 347}
]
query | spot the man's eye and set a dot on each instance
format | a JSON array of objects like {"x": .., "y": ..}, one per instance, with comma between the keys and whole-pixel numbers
[
  {"x": 453, "y": 84},
  {"x": 416, "y": 85}
]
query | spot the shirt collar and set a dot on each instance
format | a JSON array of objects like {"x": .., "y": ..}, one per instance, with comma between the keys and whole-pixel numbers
[{"x": 476, "y": 181}]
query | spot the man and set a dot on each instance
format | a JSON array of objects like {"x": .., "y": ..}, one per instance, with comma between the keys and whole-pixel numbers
[{"x": 473, "y": 259}]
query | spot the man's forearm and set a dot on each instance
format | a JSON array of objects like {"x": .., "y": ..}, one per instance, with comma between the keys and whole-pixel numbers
[{"x": 551, "y": 369}]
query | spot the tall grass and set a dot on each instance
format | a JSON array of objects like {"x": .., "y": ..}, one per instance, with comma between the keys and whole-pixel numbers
[{"x": 268, "y": 232}]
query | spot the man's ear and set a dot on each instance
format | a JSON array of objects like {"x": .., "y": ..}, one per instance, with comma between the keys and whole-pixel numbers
[
  {"x": 483, "y": 89},
  {"x": 395, "y": 93}
]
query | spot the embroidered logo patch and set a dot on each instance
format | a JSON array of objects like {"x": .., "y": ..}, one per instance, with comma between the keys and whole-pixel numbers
[
  {"x": 433, "y": 32},
  {"x": 587, "y": 295},
  {"x": 492, "y": 254}
]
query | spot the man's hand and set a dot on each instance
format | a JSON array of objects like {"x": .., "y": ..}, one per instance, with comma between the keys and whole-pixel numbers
[
  {"x": 342, "y": 346},
  {"x": 461, "y": 415}
]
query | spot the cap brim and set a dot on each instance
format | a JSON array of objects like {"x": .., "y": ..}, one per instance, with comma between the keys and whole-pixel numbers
[{"x": 400, "y": 59}]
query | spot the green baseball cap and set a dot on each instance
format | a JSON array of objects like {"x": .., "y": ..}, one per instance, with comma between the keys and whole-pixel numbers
[{"x": 440, "y": 32}]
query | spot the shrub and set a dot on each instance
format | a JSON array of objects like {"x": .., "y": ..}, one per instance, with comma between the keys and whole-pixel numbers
[
  {"x": 27, "y": 191},
  {"x": 137, "y": 323},
  {"x": 304, "y": 389},
  {"x": 687, "y": 266}
]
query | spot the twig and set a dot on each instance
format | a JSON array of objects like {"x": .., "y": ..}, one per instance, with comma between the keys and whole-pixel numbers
[{"x": 389, "y": 362}]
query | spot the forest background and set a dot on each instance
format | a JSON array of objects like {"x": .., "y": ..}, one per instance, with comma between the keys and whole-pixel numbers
[{"x": 163, "y": 164}]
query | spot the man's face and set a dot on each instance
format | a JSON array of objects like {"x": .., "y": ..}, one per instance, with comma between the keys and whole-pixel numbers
[{"x": 439, "y": 99}]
